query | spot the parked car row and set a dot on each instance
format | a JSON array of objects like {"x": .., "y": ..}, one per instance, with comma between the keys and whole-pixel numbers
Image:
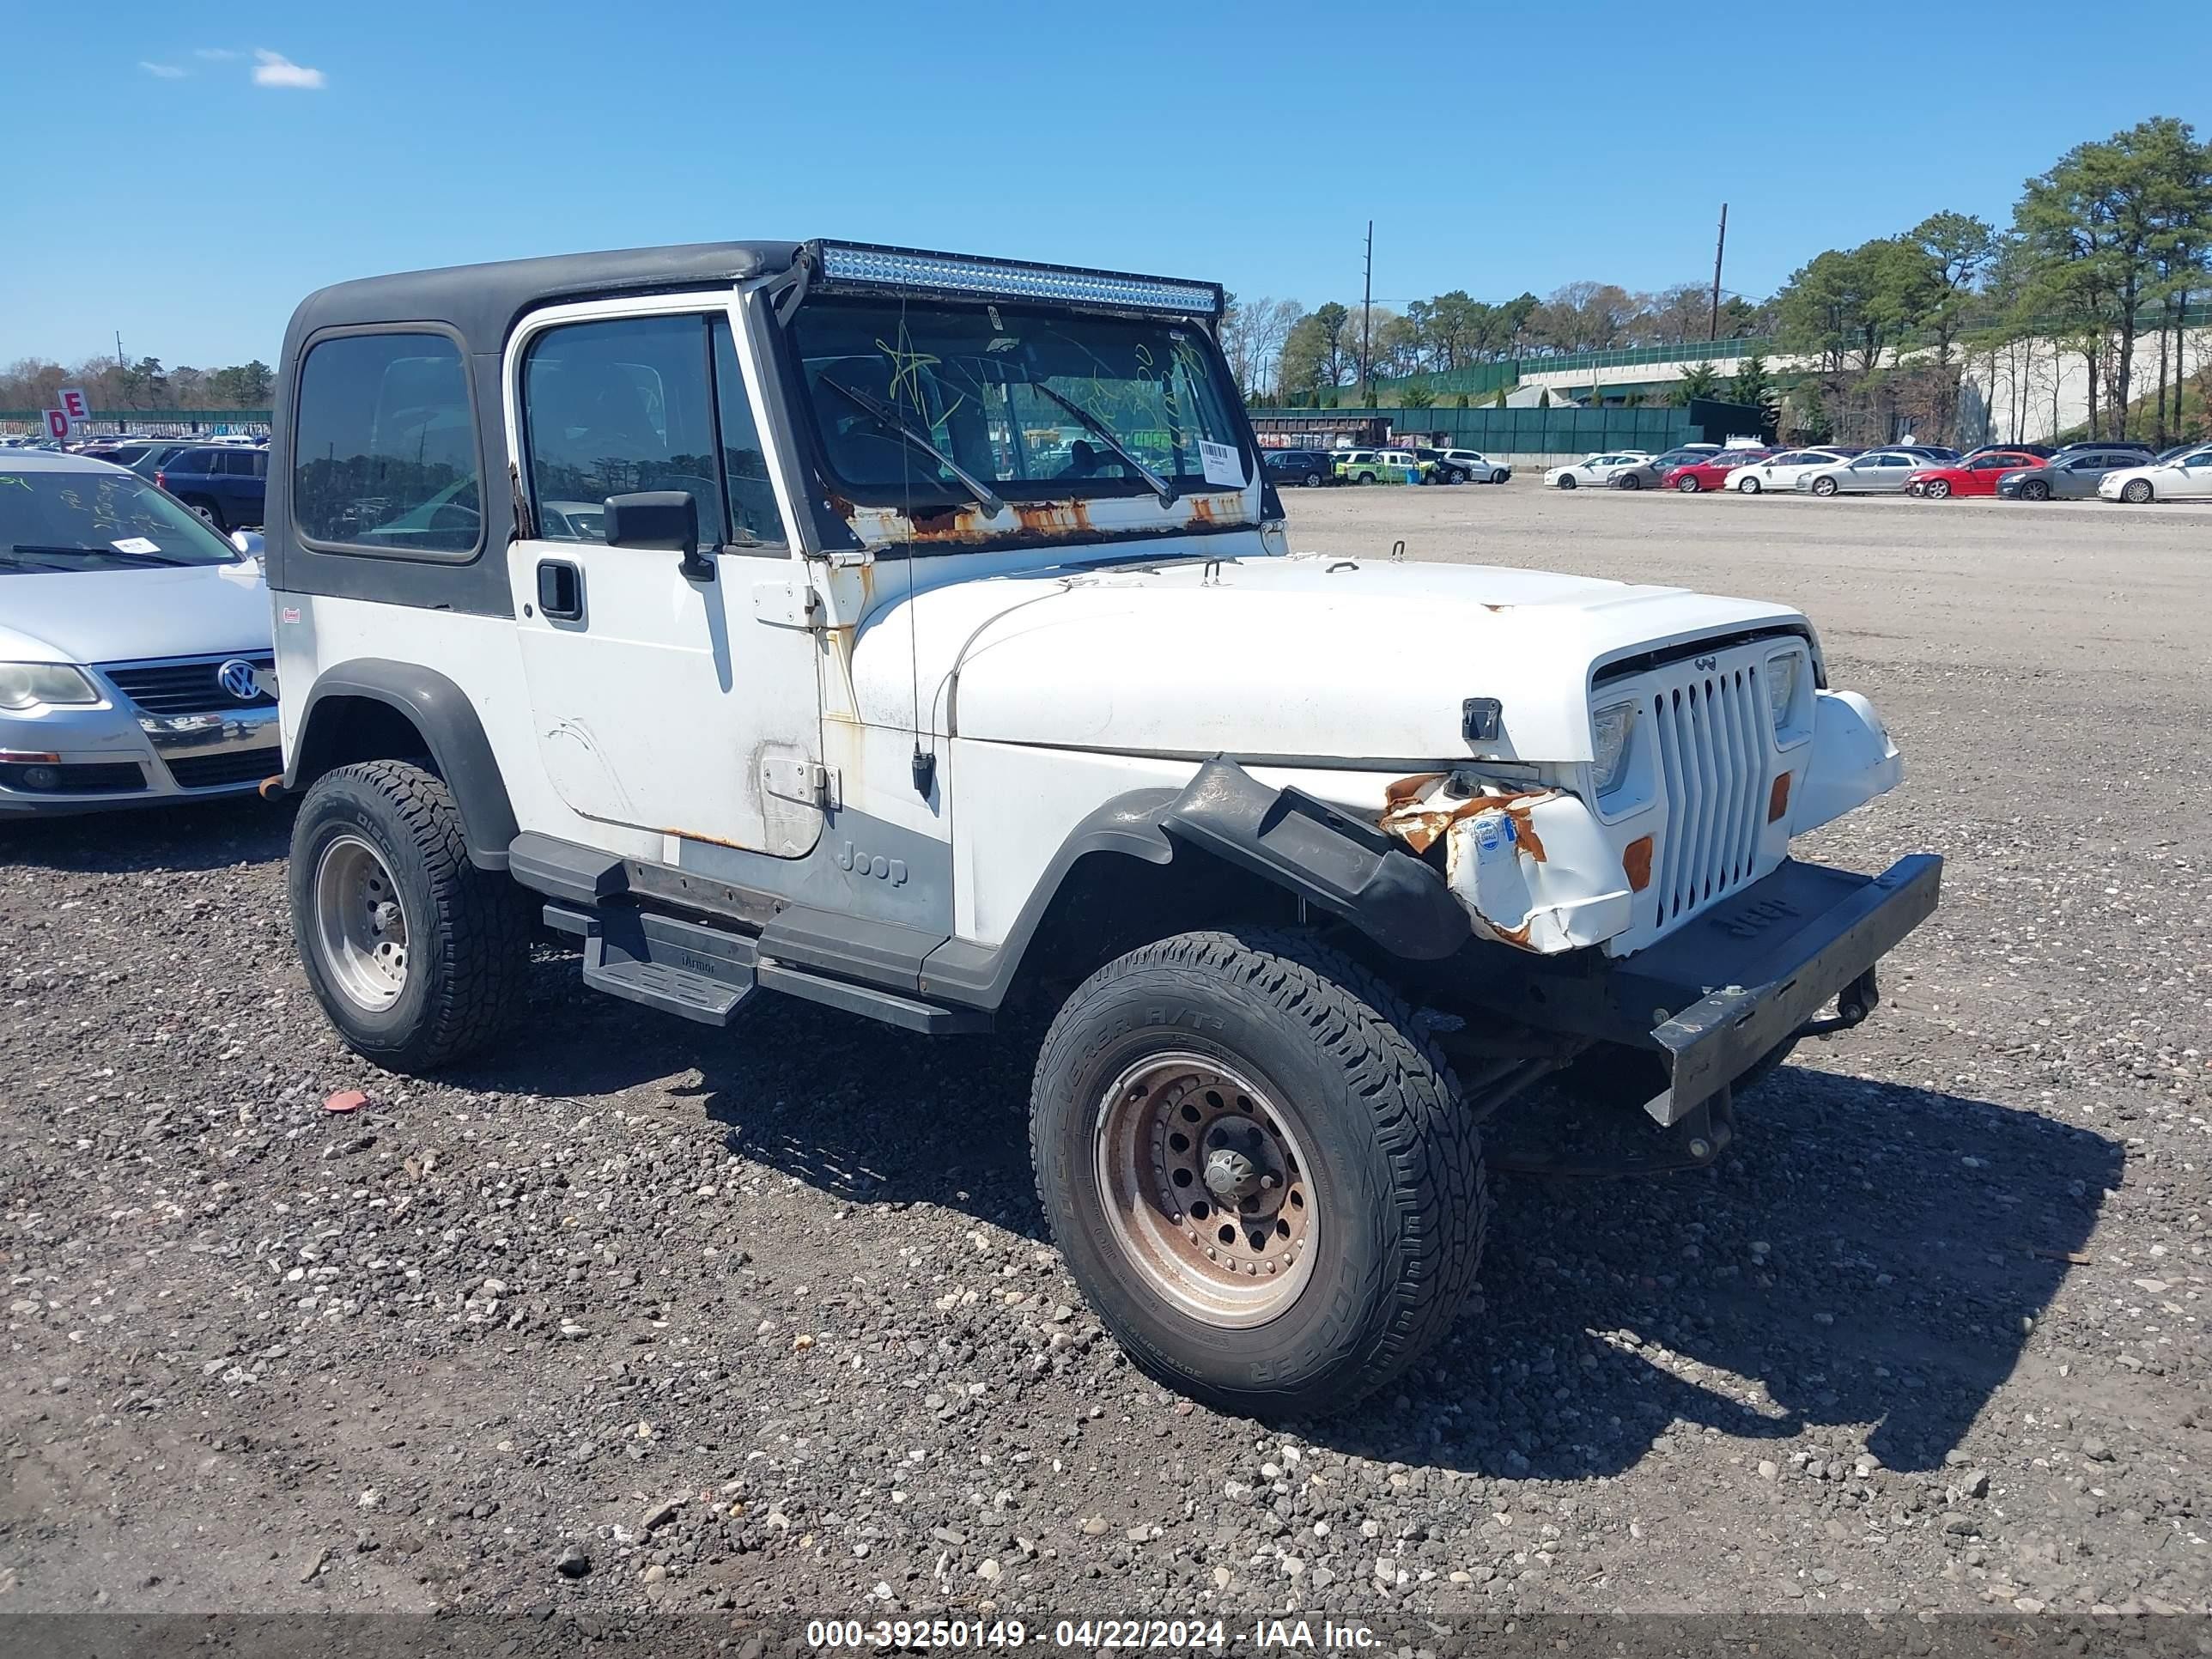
[
  {"x": 223, "y": 479},
  {"x": 2113, "y": 470},
  {"x": 1310, "y": 469}
]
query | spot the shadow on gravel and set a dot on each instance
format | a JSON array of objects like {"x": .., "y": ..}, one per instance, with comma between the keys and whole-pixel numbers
[
  {"x": 1864, "y": 1255},
  {"x": 204, "y": 836},
  {"x": 1905, "y": 1235}
]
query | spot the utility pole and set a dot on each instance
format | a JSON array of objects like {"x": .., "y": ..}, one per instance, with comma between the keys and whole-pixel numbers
[
  {"x": 118, "y": 347},
  {"x": 1366, "y": 309},
  {"x": 1713, "y": 332}
]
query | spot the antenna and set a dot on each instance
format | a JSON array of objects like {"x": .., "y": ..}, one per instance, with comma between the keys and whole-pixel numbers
[{"x": 1713, "y": 332}]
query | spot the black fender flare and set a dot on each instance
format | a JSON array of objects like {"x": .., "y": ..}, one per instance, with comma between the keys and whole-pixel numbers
[
  {"x": 1300, "y": 844},
  {"x": 451, "y": 729}
]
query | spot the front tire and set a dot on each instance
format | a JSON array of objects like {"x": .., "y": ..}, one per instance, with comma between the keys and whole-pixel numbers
[
  {"x": 1567, "y": 482},
  {"x": 1258, "y": 1169},
  {"x": 1630, "y": 480},
  {"x": 2137, "y": 490},
  {"x": 1749, "y": 487},
  {"x": 2035, "y": 490},
  {"x": 416, "y": 955},
  {"x": 1823, "y": 486},
  {"x": 1936, "y": 490},
  {"x": 1689, "y": 486}
]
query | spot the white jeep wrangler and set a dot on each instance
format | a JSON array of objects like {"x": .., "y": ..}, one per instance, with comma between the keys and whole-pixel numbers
[{"x": 916, "y": 634}]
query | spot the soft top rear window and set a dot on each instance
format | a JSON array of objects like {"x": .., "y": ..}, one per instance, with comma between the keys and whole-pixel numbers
[{"x": 384, "y": 452}]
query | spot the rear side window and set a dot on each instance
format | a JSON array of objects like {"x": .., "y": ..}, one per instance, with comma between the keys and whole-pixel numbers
[{"x": 384, "y": 452}]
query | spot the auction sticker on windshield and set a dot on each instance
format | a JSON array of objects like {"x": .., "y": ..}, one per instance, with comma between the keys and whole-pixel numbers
[{"x": 1221, "y": 463}]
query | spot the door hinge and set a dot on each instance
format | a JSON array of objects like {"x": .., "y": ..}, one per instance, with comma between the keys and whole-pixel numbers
[
  {"x": 789, "y": 778},
  {"x": 788, "y": 605}
]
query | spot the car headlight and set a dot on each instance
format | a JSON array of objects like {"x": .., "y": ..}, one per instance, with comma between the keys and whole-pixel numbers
[
  {"x": 1611, "y": 727},
  {"x": 25, "y": 684},
  {"x": 1782, "y": 674}
]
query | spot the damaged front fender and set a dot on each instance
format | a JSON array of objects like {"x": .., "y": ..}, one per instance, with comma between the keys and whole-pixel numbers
[{"x": 1531, "y": 867}]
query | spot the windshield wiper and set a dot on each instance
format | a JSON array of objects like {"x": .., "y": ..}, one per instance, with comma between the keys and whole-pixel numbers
[
  {"x": 986, "y": 497},
  {"x": 1098, "y": 429},
  {"x": 95, "y": 553}
]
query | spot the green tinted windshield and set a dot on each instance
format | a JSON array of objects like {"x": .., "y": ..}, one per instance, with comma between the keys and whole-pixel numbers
[
  {"x": 103, "y": 520},
  {"x": 971, "y": 378}
]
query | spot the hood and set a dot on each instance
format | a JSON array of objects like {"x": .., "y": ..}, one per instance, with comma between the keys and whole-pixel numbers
[
  {"x": 1286, "y": 657},
  {"x": 126, "y": 615}
]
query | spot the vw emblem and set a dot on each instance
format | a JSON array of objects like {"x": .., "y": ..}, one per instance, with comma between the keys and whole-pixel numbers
[{"x": 237, "y": 676}]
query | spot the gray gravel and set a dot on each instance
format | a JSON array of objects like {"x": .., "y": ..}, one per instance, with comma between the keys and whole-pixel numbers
[{"x": 635, "y": 1318}]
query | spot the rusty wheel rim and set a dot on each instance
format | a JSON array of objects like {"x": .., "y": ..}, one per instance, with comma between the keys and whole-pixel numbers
[{"x": 1206, "y": 1189}]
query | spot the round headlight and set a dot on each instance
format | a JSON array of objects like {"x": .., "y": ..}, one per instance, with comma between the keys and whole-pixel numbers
[{"x": 27, "y": 684}]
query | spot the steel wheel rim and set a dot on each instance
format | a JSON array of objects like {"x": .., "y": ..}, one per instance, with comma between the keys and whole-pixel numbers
[
  {"x": 1188, "y": 1149},
  {"x": 361, "y": 925}
]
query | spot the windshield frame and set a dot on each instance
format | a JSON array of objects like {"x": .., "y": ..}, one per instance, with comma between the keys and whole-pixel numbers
[
  {"x": 927, "y": 499},
  {"x": 194, "y": 533}
]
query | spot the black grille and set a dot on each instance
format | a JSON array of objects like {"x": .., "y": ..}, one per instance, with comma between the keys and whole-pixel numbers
[
  {"x": 99, "y": 778},
  {"x": 185, "y": 688},
  {"x": 239, "y": 766}
]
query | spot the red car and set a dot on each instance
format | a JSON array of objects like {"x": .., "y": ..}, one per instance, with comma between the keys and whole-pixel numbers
[
  {"x": 1976, "y": 475},
  {"x": 1711, "y": 473}
]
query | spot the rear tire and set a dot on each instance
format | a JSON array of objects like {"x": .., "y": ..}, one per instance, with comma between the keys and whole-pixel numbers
[
  {"x": 417, "y": 957},
  {"x": 1313, "y": 481},
  {"x": 208, "y": 510},
  {"x": 1258, "y": 1069}
]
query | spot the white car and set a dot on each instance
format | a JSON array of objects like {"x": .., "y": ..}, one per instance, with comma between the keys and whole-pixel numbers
[
  {"x": 1781, "y": 471},
  {"x": 818, "y": 712},
  {"x": 1878, "y": 472},
  {"x": 2188, "y": 476},
  {"x": 134, "y": 667},
  {"x": 1595, "y": 469},
  {"x": 1466, "y": 466}
]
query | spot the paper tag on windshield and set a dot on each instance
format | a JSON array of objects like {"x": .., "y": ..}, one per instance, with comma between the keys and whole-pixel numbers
[
  {"x": 1222, "y": 464},
  {"x": 135, "y": 544}
]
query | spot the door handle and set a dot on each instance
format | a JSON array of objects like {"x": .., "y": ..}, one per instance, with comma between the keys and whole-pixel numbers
[{"x": 560, "y": 590}]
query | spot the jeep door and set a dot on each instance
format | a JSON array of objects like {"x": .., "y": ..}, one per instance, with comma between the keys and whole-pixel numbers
[{"x": 673, "y": 690}]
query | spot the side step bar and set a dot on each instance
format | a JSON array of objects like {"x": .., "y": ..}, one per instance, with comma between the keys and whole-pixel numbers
[{"x": 704, "y": 974}]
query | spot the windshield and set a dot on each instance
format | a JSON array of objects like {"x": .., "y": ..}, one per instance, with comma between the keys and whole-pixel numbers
[
  {"x": 1002, "y": 392},
  {"x": 102, "y": 520}
]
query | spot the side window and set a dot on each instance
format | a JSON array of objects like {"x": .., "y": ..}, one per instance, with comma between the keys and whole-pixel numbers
[
  {"x": 745, "y": 467},
  {"x": 383, "y": 451},
  {"x": 611, "y": 408}
]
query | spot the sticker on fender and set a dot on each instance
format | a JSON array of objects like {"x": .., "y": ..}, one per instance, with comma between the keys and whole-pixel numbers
[{"x": 1221, "y": 463}]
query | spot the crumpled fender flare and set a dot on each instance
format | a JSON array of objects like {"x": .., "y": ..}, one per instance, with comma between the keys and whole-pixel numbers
[{"x": 1309, "y": 847}]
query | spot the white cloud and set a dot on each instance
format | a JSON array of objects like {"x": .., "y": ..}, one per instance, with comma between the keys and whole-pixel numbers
[
  {"x": 165, "y": 71},
  {"x": 216, "y": 54},
  {"x": 273, "y": 68}
]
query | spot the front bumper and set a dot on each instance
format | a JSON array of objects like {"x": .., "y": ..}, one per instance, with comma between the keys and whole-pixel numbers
[
  {"x": 1746, "y": 976},
  {"x": 114, "y": 756}
]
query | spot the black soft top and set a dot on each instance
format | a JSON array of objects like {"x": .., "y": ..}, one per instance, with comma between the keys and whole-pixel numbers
[{"x": 482, "y": 301}]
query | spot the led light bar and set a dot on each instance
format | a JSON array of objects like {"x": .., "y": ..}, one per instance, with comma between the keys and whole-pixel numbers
[{"x": 854, "y": 265}]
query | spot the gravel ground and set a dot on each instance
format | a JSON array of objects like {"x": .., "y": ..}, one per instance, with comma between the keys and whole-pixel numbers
[{"x": 631, "y": 1317}]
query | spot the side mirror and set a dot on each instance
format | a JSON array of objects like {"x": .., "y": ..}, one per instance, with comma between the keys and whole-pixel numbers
[
  {"x": 248, "y": 542},
  {"x": 658, "y": 520}
]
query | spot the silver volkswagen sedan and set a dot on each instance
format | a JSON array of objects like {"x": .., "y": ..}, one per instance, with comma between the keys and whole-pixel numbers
[{"x": 135, "y": 662}]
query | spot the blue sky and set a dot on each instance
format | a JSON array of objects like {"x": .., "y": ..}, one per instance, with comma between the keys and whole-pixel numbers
[{"x": 196, "y": 169}]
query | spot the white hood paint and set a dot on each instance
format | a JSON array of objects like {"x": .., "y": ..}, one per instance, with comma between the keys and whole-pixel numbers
[
  {"x": 1298, "y": 657},
  {"x": 128, "y": 616}
]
